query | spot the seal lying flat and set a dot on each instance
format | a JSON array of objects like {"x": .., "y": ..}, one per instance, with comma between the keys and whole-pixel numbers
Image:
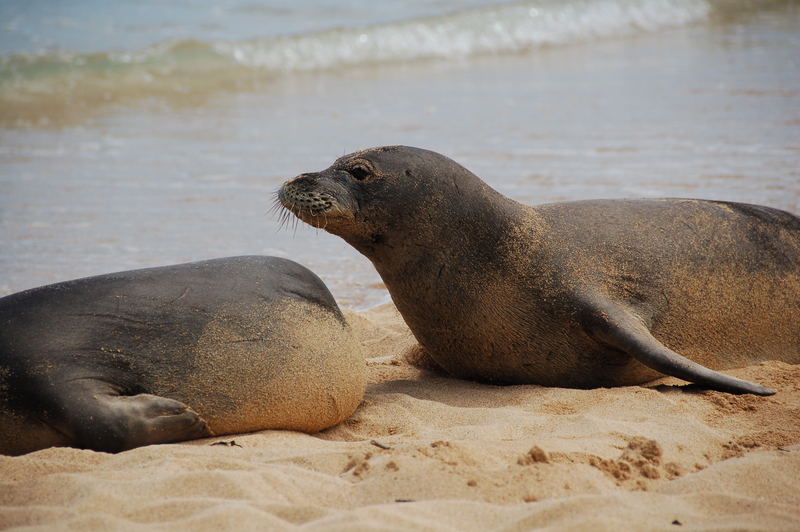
[
  {"x": 580, "y": 294},
  {"x": 165, "y": 354}
]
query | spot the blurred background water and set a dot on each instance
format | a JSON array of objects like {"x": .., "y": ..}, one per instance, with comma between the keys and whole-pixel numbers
[{"x": 143, "y": 133}]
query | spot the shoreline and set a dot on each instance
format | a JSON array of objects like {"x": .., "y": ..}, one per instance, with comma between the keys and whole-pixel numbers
[{"x": 701, "y": 111}]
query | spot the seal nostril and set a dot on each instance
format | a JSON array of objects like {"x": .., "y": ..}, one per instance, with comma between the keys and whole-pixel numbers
[{"x": 305, "y": 179}]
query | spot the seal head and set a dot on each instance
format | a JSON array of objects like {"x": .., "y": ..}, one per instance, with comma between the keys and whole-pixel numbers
[{"x": 374, "y": 198}]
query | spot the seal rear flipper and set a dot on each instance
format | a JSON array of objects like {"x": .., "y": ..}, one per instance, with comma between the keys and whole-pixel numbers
[
  {"x": 617, "y": 327},
  {"x": 101, "y": 421}
]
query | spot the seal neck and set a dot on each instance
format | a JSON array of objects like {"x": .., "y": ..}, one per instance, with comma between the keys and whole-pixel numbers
[{"x": 467, "y": 229}]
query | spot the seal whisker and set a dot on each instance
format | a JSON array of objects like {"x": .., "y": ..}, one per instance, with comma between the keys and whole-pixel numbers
[
  {"x": 278, "y": 209},
  {"x": 284, "y": 215},
  {"x": 283, "y": 219},
  {"x": 296, "y": 224}
]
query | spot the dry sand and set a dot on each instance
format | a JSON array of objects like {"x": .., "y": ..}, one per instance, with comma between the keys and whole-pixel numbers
[{"x": 427, "y": 452}]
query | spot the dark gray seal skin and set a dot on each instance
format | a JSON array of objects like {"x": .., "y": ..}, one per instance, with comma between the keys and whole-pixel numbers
[
  {"x": 576, "y": 294},
  {"x": 173, "y": 353}
]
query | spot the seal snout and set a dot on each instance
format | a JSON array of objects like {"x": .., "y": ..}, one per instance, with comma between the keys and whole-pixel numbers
[
  {"x": 313, "y": 199},
  {"x": 300, "y": 196}
]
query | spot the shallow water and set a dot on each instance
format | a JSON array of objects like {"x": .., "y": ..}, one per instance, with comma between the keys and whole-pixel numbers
[{"x": 709, "y": 108}]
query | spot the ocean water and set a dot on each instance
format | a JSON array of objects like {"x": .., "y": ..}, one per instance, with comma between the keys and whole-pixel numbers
[{"x": 142, "y": 133}]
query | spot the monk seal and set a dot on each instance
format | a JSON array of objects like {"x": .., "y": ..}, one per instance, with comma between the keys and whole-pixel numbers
[
  {"x": 173, "y": 353},
  {"x": 576, "y": 294}
]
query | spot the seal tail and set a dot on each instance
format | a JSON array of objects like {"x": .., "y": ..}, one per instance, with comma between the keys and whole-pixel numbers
[{"x": 613, "y": 325}]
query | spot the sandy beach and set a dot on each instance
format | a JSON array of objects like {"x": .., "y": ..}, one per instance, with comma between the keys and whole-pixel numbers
[
  {"x": 135, "y": 134},
  {"x": 429, "y": 452}
]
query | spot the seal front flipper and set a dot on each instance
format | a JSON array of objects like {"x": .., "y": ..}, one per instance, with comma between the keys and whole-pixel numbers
[
  {"x": 614, "y": 326},
  {"x": 95, "y": 417}
]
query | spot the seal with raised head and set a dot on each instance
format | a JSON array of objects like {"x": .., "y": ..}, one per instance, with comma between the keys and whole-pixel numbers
[
  {"x": 174, "y": 353},
  {"x": 577, "y": 294}
]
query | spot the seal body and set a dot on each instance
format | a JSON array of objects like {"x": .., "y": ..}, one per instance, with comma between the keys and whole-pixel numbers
[
  {"x": 173, "y": 353},
  {"x": 581, "y": 294}
]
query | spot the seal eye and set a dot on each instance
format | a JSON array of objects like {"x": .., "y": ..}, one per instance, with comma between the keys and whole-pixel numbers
[{"x": 359, "y": 173}]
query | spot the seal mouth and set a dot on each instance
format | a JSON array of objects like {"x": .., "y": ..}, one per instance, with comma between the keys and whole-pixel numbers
[{"x": 315, "y": 207}]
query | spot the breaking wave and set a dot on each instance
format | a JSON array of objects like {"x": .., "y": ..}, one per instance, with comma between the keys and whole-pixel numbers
[{"x": 39, "y": 84}]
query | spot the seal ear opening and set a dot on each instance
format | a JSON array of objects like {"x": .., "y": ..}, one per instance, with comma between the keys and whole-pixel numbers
[{"x": 614, "y": 326}]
